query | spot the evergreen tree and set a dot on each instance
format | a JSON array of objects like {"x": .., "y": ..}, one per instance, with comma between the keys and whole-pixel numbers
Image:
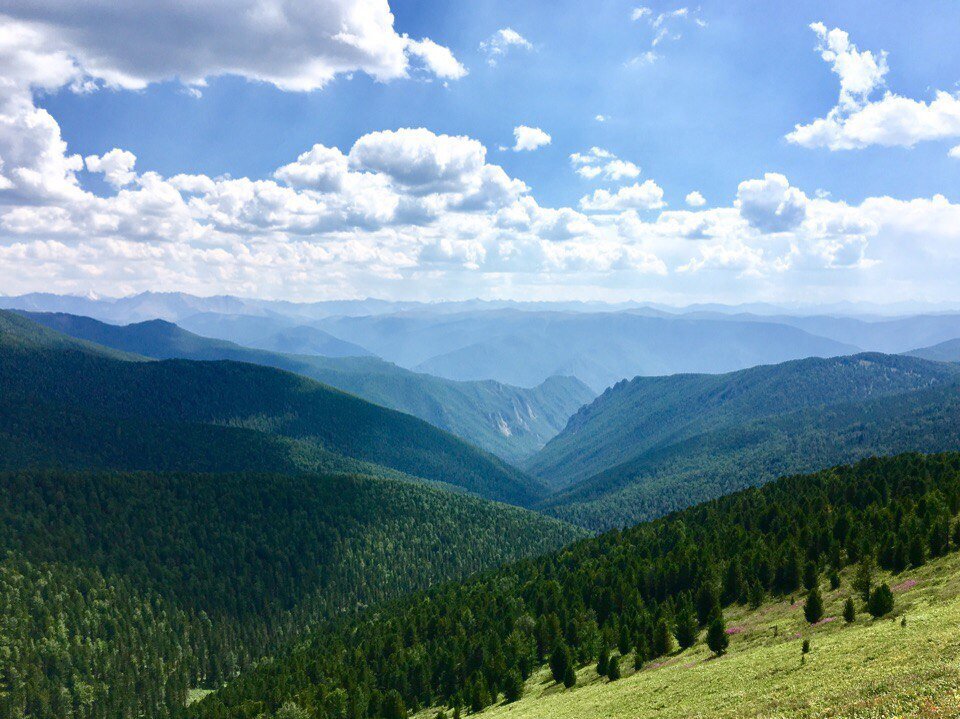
[
  {"x": 881, "y": 601},
  {"x": 623, "y": 641},
  {"x": 662, "y": 639},
  {"x": 393, "y": 706},
  {"x": 810, "y": 576},
  {"x": 717, "y": 638},
  {"x": 863, "y": 579},
  {"x": 570, "y": 677},
  {"x": 513, "y": 687},
  {"x": 918, "y": 552},
  {"x": 813, "y": 607},
  {"x": 559, "y": 662},
  {"x": 834, "y": 578},
  {"x": 849, "y": 610},
  {"x": 640, "y": 653},
  {"x": 603, "y": 662},
  {"x": 686, "y": 630},
  {"x": 613, "y": 668},
  {"x": 708, "y": 601}
]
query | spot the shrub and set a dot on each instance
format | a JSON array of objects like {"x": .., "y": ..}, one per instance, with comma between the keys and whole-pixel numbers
[
  {"x": 849, "y": 611},
  {"x": 613, "y": 668}
]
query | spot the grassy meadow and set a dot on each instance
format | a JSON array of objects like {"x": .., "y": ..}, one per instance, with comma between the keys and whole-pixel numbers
[{"x": 870, "y": 669}]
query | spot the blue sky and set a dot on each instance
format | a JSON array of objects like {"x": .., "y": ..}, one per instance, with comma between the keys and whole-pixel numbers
[
  {"x": 707, "y": 108},
  {"x": 710, "y": 111}
]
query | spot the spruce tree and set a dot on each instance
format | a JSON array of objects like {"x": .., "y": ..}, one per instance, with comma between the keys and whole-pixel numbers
[
  {"x": 613, "y": 668},
  {"x": 662, "y": 639},
  {"x": 863, "y": 579},
  {"x": 881, "y": 601},
  {"x": 717, "y": 638},
  {"x": 849, "y": 611},
  {"x": 810, "y": 576},
  {"x": 708, "y": 600},
  {"x": 834, "y": 578},
  {"x": 513, "y": 687},
  {"x": 687, "y": 630},
  {"x": 918, "y": 553},
  {"x": 570, "y": 677},
  {"x": 640, "y": 653},
  {"x": 603, "y": 662},
  {"x": 559, "y": 662},
  {"x": 623, "y": 641},
  {"x": 393, "y": 707},
  {"x": 813, "y": 607}
]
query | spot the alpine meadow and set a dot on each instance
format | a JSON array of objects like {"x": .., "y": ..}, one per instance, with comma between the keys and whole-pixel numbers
[{"x": 381, "y": 359}]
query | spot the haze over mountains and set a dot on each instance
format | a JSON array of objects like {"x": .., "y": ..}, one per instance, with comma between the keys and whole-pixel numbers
[{"x": 523, "y": 344}]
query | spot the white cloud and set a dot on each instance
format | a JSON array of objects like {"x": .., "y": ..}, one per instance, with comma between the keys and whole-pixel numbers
[
  {"x": 664, "y": 28},
  {"x": 501, "y": 42},
  {"x": 955, "y": 152},
  {"x": 437, "y": 58},
  {"x": 116, "y": 166},
  {"x": 695, "y": 199},
  {"x": 771, "y": 204},
  {"x": 646, "y": 196},
  {"x": 638, "y": 13},
  {"x": 600, "y": 118},
  {"x": 295, "y": 46},
  {"x": 643, "y": 59},
  {"x": 598, "y": 162},
  {"x": 857, "y": 121},
  {"x": 529, "y": 138}
]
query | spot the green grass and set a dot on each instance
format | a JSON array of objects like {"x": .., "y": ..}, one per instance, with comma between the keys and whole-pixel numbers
[{"x": 871, "y": 669}]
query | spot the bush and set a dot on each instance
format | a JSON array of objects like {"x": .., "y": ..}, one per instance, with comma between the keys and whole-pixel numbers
[
  {"x": 805, "y": 647},
  {"x": 881, "y": 601}
]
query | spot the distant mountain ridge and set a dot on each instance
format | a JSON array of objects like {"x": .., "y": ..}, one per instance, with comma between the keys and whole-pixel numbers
[
  {"x": 948, "y": 351},
  {"x": 52, "y": 392},
  {"x": 509, "y": 421}
]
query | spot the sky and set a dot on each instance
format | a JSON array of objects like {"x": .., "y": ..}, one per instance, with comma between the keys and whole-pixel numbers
[{"x": 418, "y": 149}]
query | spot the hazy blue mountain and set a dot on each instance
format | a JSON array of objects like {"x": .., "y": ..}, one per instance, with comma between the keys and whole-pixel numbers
[
  {"x": 524, "y": 348},
  {"x": 511, "y": 422},
  {"x": 948, "y": 351},
  {"x": 874, "y": 334},
  {"x": 77, "y": 407}
]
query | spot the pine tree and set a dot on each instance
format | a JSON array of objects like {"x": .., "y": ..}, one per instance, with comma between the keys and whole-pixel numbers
[
  {"x": 687, "y": 629},
  {"x": 640, "y": 653},
  {"x": 717, "y": 638},
  {"x": 708, "y": 600},
  {"x": 613, "y": 668},
  {"x": 918, "y": 553},
  {"x": 810, "y": 576},
  {"x": 623, "y": 641},
  {"x": 863, "y": 580},
  {"x": 513, "y": 687},
  {"x": 570, "y": 677},
  {"x": 662, "y": 639},
  {"x": 881, "y": 601},
  {"x": 849, "y": 611},
  {"x": 603, "y": 662},
  {"x": 559, "y": 662},
  {"x": 392, "y": 707},
  {"x": 834, "y": 578},
  {"x": 813, "y": 607}
]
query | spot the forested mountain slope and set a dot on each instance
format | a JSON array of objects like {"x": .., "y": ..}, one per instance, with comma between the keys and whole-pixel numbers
[
  {"x": 511, "y": 422},
  {"x": 948, "y": 351},
  {"x": 645, "y": 413},
  {"x": 52, "y": 394},
  {"x": 119, "y": 592},
  {"x": 633, "y": 592},
  {"x": 676, "y": 475}
]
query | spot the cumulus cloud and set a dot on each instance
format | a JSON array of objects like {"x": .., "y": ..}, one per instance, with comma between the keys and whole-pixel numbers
[
  {"x": 857, "y": 121},
  {"x": 695, "y": 199},
  {"x": 529, "y": 138},
  {"x": 771, "y": 204},
  {"x": 646, "y": 196},
  {"x": 293, "y": 45},
  {"x": 501, "y": 42},
  {"x": 600, "y": 163}
]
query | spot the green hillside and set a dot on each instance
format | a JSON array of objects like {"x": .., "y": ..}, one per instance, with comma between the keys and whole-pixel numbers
[
  {"x": 120, "y": 592},
  {"x": 869, "y": 668},
  {"x": 650, "y": 590},
  {"x": 645, "y": 413},
  {"x": 68, "y": 406},
  {"x": 674, "y": 476},
  {"x": 511, "y": 422}
]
